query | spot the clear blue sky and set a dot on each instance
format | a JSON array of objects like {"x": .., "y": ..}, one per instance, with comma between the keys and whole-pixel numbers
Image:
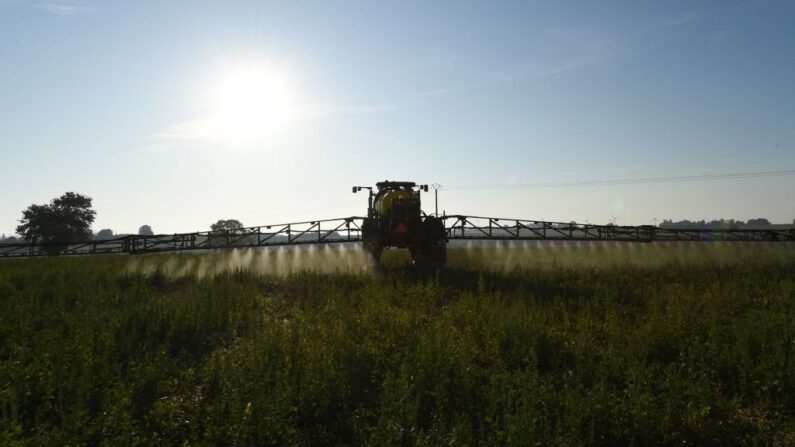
[{"x": 139, "y": 105}]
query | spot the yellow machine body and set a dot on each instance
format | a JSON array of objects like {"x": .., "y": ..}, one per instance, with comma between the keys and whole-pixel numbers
[{"x": 383, "y": 205}]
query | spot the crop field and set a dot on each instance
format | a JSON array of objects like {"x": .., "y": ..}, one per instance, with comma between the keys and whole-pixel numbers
[{"x": 514, "y": 344}]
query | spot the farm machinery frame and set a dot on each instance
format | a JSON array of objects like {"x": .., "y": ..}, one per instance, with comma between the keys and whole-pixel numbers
[{"x": 394, "y": 220}]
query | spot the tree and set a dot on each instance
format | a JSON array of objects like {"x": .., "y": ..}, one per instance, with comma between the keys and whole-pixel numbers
[
  {"x": 145, "y": 230},
  {"x": 759, "y": 222},
  {"x": 65, "y": 219},
  {"x": 228, "y": 230},
  {"x": 104, "y": 234},
  {"x": 231, "y": 224}
]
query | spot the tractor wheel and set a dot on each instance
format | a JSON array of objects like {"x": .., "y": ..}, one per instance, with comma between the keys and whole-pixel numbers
[
  {"x": 433, "y": 229},
  {"x": 418, "y": 258},
  {"x": 429, "y": 258},
  {"x": 437, "y": 256},
  {"x": 374, "y": 253}
]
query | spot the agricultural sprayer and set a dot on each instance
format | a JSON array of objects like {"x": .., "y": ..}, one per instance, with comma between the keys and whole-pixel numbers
[{"x": 394, "y": 220}]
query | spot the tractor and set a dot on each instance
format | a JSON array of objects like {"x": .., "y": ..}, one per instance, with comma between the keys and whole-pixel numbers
[{"x": 395, "y": 220}]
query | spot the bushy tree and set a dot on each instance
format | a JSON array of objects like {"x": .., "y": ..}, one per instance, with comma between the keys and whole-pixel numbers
[
  {"x": 104, "y": 234},
  {"x": 759, "y": 222},
  {"x": 230, "y": 224},
  {"x": 145, "y": 230},
  {"x": 229, "y": 228},
  {"x": 8, "y": 240},
  {"x": 65, "y": 219}
]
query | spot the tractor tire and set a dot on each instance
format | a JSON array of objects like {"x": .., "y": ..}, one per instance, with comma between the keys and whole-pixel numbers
[
  {"x": 429, "y": 258},
  {"x": 374, "y": 253},
  {"x": 436, "y": 256}
]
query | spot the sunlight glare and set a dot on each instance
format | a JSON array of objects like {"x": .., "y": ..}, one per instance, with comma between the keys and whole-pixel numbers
[{"x": 252, "y": 103}]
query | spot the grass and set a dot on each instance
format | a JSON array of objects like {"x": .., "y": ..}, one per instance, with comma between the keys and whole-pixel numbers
[{"x": 523, "y": 345}]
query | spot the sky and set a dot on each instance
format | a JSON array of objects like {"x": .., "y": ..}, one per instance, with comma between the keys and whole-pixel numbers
[{"x": 176, "y": 114}]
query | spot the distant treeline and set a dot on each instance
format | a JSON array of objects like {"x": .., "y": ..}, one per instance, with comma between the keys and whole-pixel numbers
[
  {"x": 758, "y": 223},
  {"x": 100, "y": 235}
]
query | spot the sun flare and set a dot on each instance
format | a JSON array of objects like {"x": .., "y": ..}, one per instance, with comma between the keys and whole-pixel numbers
[{"x": 252, "y": 103}]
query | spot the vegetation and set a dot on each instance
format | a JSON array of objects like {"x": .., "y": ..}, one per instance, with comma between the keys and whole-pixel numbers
[
  {"x": 614, "y": 351},
  {"x": 104, "y": 234},
  {"x": 65, "y": 218},
  {"x": 226, "y": 224},
  {"x": 717, "y": 224},
  {"x": 7, "y": 240}
]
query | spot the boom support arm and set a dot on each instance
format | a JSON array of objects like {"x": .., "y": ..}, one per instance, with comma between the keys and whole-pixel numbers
[{"x": 349, "y": 229}]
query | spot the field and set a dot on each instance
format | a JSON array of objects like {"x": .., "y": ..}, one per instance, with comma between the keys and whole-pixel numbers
[{"x": 540, "y": 344}]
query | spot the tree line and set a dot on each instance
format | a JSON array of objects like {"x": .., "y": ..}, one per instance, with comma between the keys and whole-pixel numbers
[
  {"x": 68, "y": 218},
  {"x": 717, "y": 224}
]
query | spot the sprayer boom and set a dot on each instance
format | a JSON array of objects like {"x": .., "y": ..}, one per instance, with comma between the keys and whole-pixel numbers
[{"x": 349, "y": 229}]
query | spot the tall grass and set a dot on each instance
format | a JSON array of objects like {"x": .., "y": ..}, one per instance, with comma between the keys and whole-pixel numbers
[{"x": 527, "y": 352}]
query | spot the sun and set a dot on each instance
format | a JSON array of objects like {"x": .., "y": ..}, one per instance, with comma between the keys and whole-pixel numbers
[{"x": 252, "y": 103}]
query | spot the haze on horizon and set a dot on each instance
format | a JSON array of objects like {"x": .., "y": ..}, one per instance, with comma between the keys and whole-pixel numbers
[{"x": 177, "y": 114}]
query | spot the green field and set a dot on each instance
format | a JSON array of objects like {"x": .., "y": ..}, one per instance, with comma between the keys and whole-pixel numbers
[{"x": 527, "y": 344}]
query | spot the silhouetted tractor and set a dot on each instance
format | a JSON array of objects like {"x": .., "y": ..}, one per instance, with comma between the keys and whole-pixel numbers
[{"x": 395, "y": 219}]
